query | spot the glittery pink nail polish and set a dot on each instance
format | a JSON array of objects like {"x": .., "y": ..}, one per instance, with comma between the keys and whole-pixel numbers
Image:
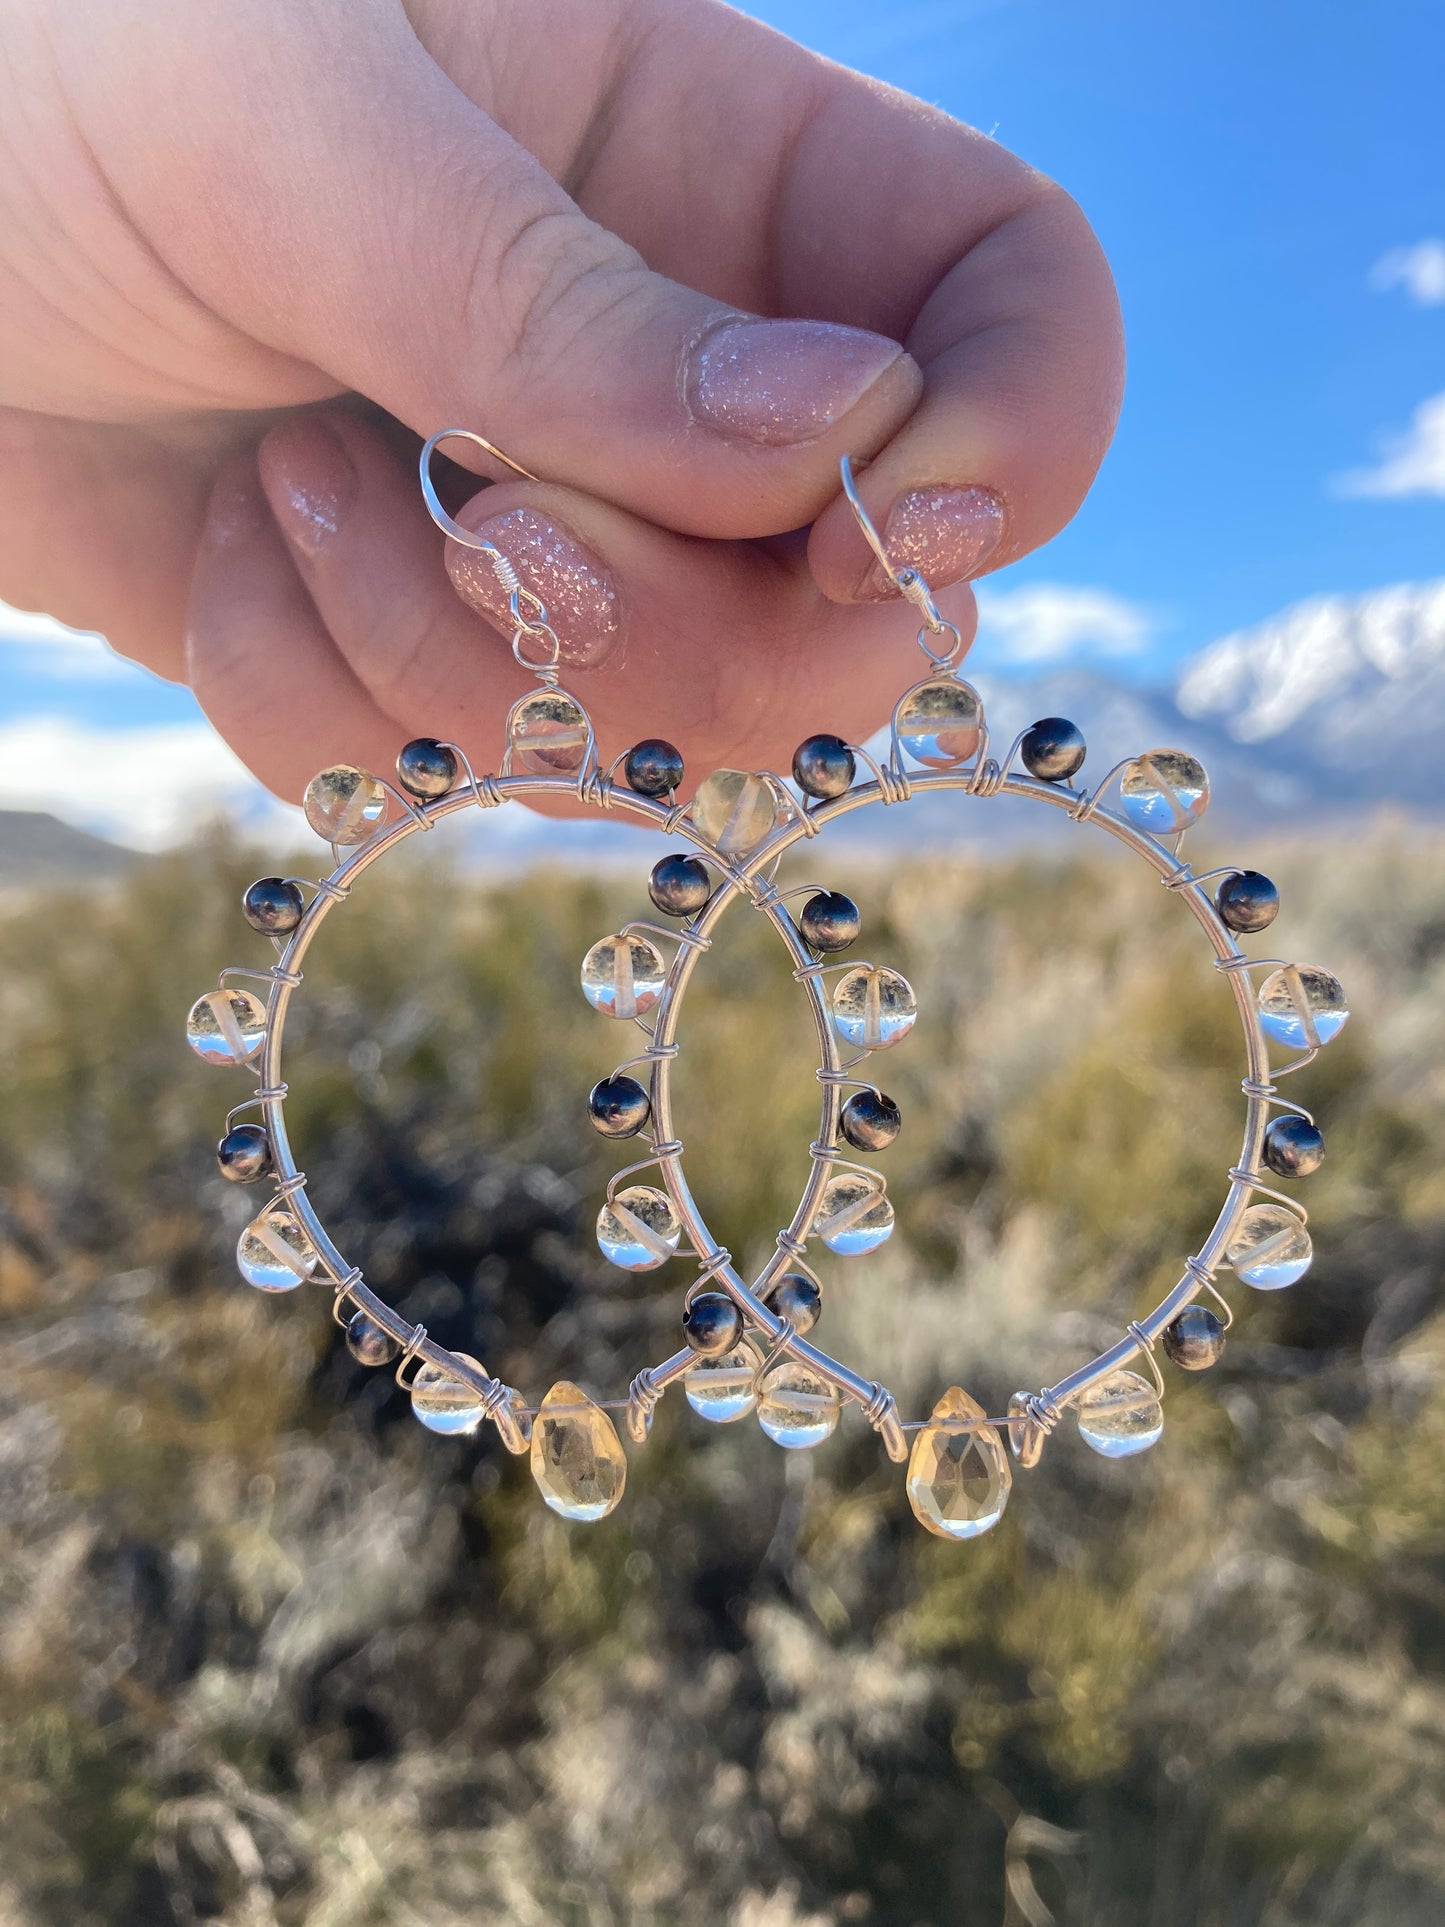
[
  {"x": 947, "y": 534},
  {"x": 309, "y": 479},
  {"x": 778, "y": 382},
  {"x": 580, "y": 595}
]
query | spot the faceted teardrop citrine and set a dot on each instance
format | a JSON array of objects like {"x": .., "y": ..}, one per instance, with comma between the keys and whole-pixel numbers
[
  {"x": 958, "y": 1479},
  {"x": 577, "y": 1457}
]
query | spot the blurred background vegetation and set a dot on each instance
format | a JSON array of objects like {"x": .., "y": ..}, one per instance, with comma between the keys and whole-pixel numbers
[{"x": 272, "y": 1656}]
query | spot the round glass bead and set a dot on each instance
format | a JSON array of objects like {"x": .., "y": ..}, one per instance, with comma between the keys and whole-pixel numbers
[
  {"x": 853, "y": 1215},
  {"x": 577, "y": 1457},
  {"x": 959, "y": 1476},
  {"x": 618, "y": 1106},
  {"x": 1053, "y": 749},
  {"x": 1164, "y": 791},
  {"x": 1194, "y": 1339},
  {"x": 870, "y": 1121},
  {"x": 824, "y": 767},
  {"x": 368, "y": 1342},
  {"x": 445, "y": 1403},
  {"x": 623, "y": 977},
  {"x": 797, "y": 1407},
  {"x": 1302, "y": 1007},
  {"x": 244, "y": 1153},
  {"x": 723, "y": 1389},
  {"x": 273, "y": 906},
  {"x": 830, "y": 921},
  {"x": 344, "y": 804},
  {"x": 638, "y": 1230},
  {"x": 712, "y": 1324},
  {"x": 1293, "y": 1147},
  {"x": 873, "y": 1007},
  {"x": 734, "y": 810},
  {"x": 797, "y": 1298},
  {"x": 940, "y": 723},
  {"x": 1120, "y": 1416},
  {"x": 679, "y": 885},
  {"x": 653, "y": 768},
  {"x": 548, "y": 733},
  {"x": 1270, "y": 1248},
  {"x": 1246, "y": 902},
  {"x": 274, "y": 1253},
  {"x": 226, "y": 1026},
  {"x": 426, "y": 767}
]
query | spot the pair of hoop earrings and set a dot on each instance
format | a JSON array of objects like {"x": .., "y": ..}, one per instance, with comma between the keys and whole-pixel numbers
[{"x": 746, "y": 1344}]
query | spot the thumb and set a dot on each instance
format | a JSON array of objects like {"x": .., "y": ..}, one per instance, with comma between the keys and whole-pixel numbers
[{"x": 391, "y": 233}]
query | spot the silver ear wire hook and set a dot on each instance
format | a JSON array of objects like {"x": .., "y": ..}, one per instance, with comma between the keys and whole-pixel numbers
[
  {"x": 908, "y": 582},
  {"x": 501, "y": 565}
]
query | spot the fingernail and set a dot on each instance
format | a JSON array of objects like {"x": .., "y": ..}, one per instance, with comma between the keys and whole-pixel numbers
[
  {"x": 580, "y": 595},
  {"x": 309, "y": 480},
  {"x": 947, "y": 534},
  {"x": 777, "y": 382}
]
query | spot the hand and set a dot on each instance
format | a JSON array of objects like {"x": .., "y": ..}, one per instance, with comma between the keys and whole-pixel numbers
[{"x": 556, "y": 221}]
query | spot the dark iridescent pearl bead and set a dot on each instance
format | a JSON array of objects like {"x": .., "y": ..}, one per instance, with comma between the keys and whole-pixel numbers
[
  {"x": 1247, "y": 901},
  {"x": 679, "y": 885},
  {"x": 618, "y": 1106},
  {"x": 244, "y": 1154},
  {"x": 426, "y": 767},
  {"x": 653, "y": 768},
  {"x": 712, "y": 1324},
  {"x": 824, "y": 766},
  {"x": 1053, "y": 749},
  {"x": 870, "y": 1121},
  {"x": 798, "y": 1299},
  {"x": 368, "y": 1343},
  {"x": 1293, "y": 1147},
  {"x": 830, "y": 921},
  {"x": 1195, "y": 1339},
  {"x": 273, "y": 906}
]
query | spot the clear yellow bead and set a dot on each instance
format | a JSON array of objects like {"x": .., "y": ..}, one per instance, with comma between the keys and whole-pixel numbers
[
  {"x": 959, "y": 1478},
  {"x": 940, "y": 723},
  {"x": 1302, "y": 1007},
  {"x": 1164, "y": 791},
  {"x": 344, "y": 804},
  {"x": 853, "y": 1214},
  {"x": 274, "y": 1253},
  {"x": 548, "y": 734},
  {"x": 874, "y": 1008},
  {"x": 577, "y": 1457},
  {"x": 638, "y": 1228},
  {"x": 1121, "y": 1415},
  {"x": 797, "y": 1407},
  {"x": 623, "y": 977},
  {"x": 734, "y": 810},
  {"x": 723, "y": 1389},
  {"x": 445, "y": 1403},
  {"x": 226, "y": 1026},
  {"x": 1270, "y": 1248}
]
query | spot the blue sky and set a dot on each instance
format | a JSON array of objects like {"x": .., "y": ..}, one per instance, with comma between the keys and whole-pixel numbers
[{"x": 1269, "y": 182}]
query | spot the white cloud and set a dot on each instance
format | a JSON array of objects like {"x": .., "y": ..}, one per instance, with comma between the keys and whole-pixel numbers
[
  {"x": 48, "y": 648},
  {"x": 1419, "y": 270},
  {"x": 146, "y": 787},
  {"x": 1050, "y": 622},
  {"x": 1410, "y": 464}
]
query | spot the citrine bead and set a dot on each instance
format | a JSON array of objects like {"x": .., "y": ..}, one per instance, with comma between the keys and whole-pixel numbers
[
  {"x": 959, "y": 1477},
  {"x": 577, "y": 1457}
]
